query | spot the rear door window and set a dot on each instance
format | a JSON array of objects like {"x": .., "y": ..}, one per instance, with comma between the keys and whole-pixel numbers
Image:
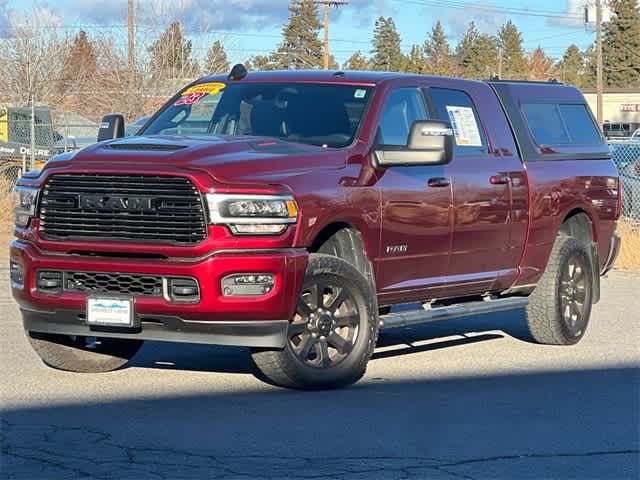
[
  {"x": 457, "y": 108},
  {"x": 545, "y": 124},
  {"x": 560, "y": 124}
]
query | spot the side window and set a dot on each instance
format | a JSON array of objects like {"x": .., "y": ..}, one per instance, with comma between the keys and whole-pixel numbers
[
  {"x": 404, "y": 106},
  {"x": 560, "y": 124},
  {"x": 545, "y": 123},
  {"x": 580, "y": 125},
  {"x": 457, "y": 108}
]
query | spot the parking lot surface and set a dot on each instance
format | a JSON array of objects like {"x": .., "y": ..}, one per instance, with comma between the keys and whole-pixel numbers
[{"x": 471, "y": 399}]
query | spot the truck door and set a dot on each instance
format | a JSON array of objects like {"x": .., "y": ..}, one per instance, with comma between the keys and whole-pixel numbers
[
  {"x": 485, "y": 248},
  {"x": 416, "y": 203}
]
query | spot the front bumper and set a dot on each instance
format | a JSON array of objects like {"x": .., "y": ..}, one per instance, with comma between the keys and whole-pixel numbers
[
  {"x": 262, "y": 333},
  {"x": 258, "y": 321}
]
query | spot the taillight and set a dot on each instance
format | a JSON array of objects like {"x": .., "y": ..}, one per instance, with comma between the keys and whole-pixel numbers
[{"x": 619, "y": 204}]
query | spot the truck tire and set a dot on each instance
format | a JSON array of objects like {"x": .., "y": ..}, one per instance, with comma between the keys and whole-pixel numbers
[
  {"x": 333, "y": 333},
  {"x": 560, "y": 306},
  {"x": 83, "y": 354}
]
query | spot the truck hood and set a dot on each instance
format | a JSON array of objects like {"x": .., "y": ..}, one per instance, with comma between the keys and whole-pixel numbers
[{"x": 226, "y": 159}]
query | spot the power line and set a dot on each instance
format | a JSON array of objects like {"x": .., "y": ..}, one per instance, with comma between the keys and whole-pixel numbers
[{"x": 492, "y": 8}]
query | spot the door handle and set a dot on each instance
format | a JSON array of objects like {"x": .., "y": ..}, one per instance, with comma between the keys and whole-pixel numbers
[
  {"x": 438, "y": 182},
  {"x": 500, "y": 180}
]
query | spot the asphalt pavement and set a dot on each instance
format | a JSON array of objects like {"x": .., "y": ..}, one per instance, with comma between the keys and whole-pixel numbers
[{"x": 464, "y": 399}]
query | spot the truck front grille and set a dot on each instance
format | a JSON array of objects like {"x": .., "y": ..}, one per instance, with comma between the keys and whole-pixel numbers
[
  {"x": 177, "y": 289},
  {"x": 144, "y": 208},
  {"x": 114, "y": 283}
]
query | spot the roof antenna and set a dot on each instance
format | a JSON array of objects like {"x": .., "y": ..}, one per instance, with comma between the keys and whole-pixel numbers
[{"x": 238, "y": 72}]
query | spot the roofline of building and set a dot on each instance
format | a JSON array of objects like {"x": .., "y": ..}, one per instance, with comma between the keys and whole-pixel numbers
[{"x": 613, "y": 90}]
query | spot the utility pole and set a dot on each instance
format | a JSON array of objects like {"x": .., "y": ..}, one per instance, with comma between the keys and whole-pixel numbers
[
  {"x": 326, "y": 4},
  {"x": 131, "y": 44},
  {"x": 600, "y": 67},
  {"x": 500, "y": 63}
]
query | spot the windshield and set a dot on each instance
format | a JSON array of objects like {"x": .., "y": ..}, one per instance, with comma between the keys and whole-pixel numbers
[{"x": 318, "y": 114}]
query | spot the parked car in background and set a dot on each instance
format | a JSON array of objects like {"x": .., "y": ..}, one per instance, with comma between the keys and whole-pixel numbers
[
  {"x": 132, "y": 128},
  {"x": 636, "y": 135},
  {"x": 73, "y": 143},
  {"x": 622, "y": 130}
]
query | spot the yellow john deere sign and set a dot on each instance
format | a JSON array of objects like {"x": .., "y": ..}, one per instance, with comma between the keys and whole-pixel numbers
[{"x": 4, "y": 125}]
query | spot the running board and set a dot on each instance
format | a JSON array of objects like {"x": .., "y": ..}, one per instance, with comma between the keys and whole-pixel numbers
[{"x": 433, "y": 314}]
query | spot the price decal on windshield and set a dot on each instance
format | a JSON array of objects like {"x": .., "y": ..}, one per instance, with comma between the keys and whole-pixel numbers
[{"x": 195, "y": 93}]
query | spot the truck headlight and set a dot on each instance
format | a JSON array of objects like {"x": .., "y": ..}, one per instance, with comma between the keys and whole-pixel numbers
[
  {"x": 253, "y": 214},
  {"x": 25, "y": 199}
]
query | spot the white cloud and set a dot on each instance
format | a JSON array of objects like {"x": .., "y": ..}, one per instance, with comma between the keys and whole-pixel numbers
[
  {"x": 364, "y": 13},
  {"x": 201, "y": 15},
  {"x": 4, "y": 19},
  {"x": 39, "y": 16},
  {"x": 484, "y": 16},
  {"x": 196, "y": 15},
  {"x": 575, "y": 15}
]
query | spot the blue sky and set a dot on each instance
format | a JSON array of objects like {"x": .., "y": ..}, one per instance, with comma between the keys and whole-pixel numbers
[{"x": 250, "y": 27}]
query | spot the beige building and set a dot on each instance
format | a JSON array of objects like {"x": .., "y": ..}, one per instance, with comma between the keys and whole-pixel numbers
[{"x": 621, "y": 108}]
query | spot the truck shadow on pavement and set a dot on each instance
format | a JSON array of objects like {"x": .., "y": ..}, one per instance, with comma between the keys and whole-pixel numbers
[
  {"x": 408, "y": 340},
  {"x": 538, "y": 424}
]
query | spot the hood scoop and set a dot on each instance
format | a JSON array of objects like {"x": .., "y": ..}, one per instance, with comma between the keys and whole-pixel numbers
[{"x": 148, "y": 147}]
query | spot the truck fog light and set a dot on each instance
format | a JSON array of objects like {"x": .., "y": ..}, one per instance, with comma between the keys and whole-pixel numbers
[
  {"x": 258, "y": 229},
  {"x": 16, "y": 273},
  {"x": 182, "y": 290},
  {"x": 49, "y": 282},
  {"x": 247, "y": 284}
]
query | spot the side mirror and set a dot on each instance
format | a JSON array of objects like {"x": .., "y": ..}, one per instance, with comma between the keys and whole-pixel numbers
[
  {"x": 112, "y": 126},
  {"x": 430, "y": 142}
]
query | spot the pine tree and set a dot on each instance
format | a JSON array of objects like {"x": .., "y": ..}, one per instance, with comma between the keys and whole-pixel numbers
[
  {"x": 589, "y": 77},
  {"x": 477, "y": 54},
  {"x": 621, "y": 45},
  {"x": 415, "y": 61},
  {"x": 333, "y": 63},
  {"x": 514, "y": 64},
  {"x": 81, "y": 63},
  {"x": 300, "y": 48},
  {"x": 437, "y": 52},
  {"x": 540, "y": 67},
  {"x": 261, "y": 62},
  {"x": 386, "y": 53},
  {"x": 216, "y": 61},
  {"x": 571, "y": 67},
  {"x": 171, "y": 55},
  {"x": 357, "y": 61}
]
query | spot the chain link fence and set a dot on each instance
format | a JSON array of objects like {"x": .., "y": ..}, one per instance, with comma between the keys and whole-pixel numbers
[
  {"x": 29, "y": 136},
  {"x": 626, "y": 155}
]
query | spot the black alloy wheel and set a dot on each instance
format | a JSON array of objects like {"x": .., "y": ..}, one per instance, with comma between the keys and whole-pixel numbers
[
  {"x": 573, "y": 294},
  {"x": 325, "y": 326}
]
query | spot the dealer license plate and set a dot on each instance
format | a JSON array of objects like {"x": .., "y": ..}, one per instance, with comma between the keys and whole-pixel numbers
[{"x": 110, "y": 312}]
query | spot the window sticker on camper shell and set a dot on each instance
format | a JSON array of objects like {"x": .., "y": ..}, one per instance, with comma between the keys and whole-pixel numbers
[
  {"x": 465, "y": 127},
  {"x": 195, "y": 93}
]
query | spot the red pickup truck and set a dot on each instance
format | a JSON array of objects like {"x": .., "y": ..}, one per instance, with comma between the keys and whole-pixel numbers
[{"x": 290, "y": 212}]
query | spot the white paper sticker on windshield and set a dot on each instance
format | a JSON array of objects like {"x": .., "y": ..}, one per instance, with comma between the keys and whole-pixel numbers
[
  {"x": 465, "y": 127},
  {"x": 360, "y": 93}
]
